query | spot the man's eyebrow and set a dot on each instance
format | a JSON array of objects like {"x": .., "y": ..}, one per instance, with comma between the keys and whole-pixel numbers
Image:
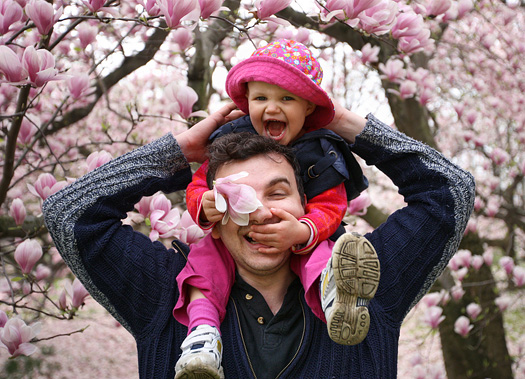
[{"x": 279, "y": 180}]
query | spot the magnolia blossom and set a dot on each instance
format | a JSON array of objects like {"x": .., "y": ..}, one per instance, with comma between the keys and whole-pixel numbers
[
  {"x": 407, "y": 89},
  {"x": 11, "y": 66},
  {"x": 183, "y": 38},
  {"x": 302, "y": 35},
  {"x": 359, "y": 205},
  {"x": 188, "y": 231},
  {"x": 62, "y": 300},
  {"x": 143, "y": 206},
  {"x": 433, "y": 316},
  {"x": 461, "y": 273},
  {"x": 445, "y": 296},
  {"x": 471, "y": 116},
  {"x": 163, "y": 218},
  {"x": 379, "y": 18},
  {"x": 464, "y": 6},
  {"x": 437, "y": 7},
  {"x": 87, "y": 34},
  {"x": 208, "y": 7},
  {"x": 473, "y": 310},
  {"x": 43, "y": 15},
  {"x": 488, "y": 257},
  {"x": 507, "y": 263},
  {"x": 42, "y": 272},
  {"x": 15, "y": 336},
  {"x": 27, "y": 254},
  {"x": 477, "y": 262},
  {"x": 182, "y": 99},
  {"x": 78, "y": 85},
  {"x": 369, "y": 54},
  {"x": 3, "y": 318},
  {"x": 40, "y": 66},
  {"x": 464, "y": 257},
  {"x": 94, "y": 5},
  {"x": 27, "y": 130},
  {"x": 431, "y": 299},
  {"x": 457, "y": 292},
  {"x": 414, "y": 43},
  {"x": 518, "y": 276},
  {"x": 178, "y": 11},
  {"x": 502, "y": 302},
  {"x": 499, "y": 156},
  {"x": 97, "y": 159},
  {"x": 393, "y": 70},
  {"x": 236, "y": 201},
  {"x": 407, "y": 24},
  {"x": 18, "y": 211},
  {"x": 152, "y": 8},
  {"x": 267, "y": 8},
  {"x": 77, "y": 292},
  {"x": 46, "y": 185},
  {"x": 462, "y": 326},
  {"x": 10, "y": 12}
]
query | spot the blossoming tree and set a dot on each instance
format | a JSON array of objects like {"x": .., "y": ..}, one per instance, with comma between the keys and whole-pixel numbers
[{"x": 84, "y": 81}]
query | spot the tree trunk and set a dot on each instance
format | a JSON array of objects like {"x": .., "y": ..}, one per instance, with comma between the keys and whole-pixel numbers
[{"x": 483, "y": 353}]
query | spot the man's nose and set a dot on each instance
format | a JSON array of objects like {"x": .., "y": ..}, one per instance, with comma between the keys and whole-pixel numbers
[{"x": 261, "y": 215}]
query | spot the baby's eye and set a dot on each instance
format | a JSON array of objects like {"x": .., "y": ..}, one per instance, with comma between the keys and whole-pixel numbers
[
  {"x": 288, "y": 98},
  {"x": 260, "y": 98}
]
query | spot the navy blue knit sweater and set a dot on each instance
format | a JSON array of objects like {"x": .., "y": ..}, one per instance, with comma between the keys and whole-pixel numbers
[{"x": 135, "y": 278}]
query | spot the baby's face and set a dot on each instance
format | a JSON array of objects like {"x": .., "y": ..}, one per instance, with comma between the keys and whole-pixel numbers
[{"x": 277, "y": 113}]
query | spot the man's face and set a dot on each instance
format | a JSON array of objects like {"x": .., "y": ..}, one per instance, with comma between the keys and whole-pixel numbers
[
  {"x": 273, "y": 180},
  {"x": 277, "y": 113}
]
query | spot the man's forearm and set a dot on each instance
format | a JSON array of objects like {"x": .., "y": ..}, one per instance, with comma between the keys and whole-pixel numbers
[
  {"x": 84, "y": 218},
  {"x": 417, "y": 241}
]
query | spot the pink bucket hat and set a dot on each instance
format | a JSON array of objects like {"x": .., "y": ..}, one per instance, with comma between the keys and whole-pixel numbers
[{"x": 289, "y": 65}]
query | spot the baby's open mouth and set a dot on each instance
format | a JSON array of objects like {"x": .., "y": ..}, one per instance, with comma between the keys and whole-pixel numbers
[{"x": 274, "y": 128}]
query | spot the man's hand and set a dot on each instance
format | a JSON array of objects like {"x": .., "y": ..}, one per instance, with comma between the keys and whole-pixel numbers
[
  {"x": 282, "y": 235},
  {"x": 209, "y": 212},
  {"x": 193, "y": 141},
  {"x": 346, "y": 123}
]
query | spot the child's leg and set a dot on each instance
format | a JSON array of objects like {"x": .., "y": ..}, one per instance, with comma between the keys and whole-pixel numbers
[
  {"x": 204, "y": 286},
  {"x": 206, "y": 280},
  {"x": 308, "y": 268}
]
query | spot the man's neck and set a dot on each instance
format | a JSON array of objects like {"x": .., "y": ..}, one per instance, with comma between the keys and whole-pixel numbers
[{"x": 272, "y": 287}]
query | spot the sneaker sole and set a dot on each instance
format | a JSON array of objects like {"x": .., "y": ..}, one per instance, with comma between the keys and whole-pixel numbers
[
  {"x": 356, "y": 272},
  {"x": 195, "y": 369}
]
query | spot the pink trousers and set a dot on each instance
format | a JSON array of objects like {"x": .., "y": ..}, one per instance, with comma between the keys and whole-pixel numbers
[{"x": 211, "y": 269}]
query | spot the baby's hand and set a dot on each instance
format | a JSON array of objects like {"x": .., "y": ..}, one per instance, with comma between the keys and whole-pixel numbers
[
  {"x": 282, "y": 235},
  {"x": 208, "y": 212}
]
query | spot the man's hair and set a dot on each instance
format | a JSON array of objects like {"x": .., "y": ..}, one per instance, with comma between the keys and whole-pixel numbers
[{"x": 242, "y": 146}]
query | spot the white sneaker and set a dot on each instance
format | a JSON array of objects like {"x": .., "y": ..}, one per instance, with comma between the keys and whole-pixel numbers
[
  {"x": 347, "y": 284},
  {"x": 201, "y": 355}
]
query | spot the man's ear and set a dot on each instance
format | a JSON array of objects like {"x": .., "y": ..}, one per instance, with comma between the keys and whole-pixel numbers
[{"x": 215, "y": 232}]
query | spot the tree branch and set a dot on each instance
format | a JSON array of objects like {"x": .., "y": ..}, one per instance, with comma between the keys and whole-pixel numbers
[
  {"x": 129, "y": 65},
  {"x": 12, "y": 136}
]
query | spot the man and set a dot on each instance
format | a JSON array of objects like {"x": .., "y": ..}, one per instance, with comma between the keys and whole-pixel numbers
[{"x": 135, "y": 278}]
